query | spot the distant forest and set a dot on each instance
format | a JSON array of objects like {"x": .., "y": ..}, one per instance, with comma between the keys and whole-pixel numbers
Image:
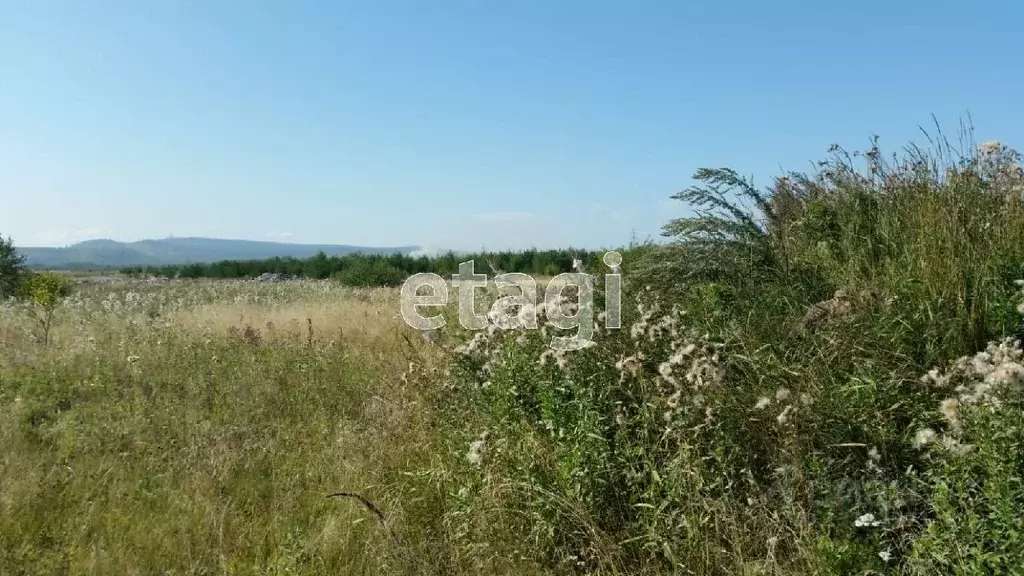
[{"x": 376, "y": 269}]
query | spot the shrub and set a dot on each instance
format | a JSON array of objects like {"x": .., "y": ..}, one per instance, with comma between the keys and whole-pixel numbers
[
  {"x": 12, "y": 268},
  {"x": 367, "y": 275},
  {"x": 43, "y": 293},
  {"x": 762, "y": 410}
]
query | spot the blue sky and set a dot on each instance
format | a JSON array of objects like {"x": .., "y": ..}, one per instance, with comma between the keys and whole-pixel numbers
[{"x": 460, "y": 124}]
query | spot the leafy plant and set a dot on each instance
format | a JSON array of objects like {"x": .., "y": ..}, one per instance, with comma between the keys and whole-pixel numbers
[
  {"x": 43, "y": 292},
  {"x": 12, "y": 268}
]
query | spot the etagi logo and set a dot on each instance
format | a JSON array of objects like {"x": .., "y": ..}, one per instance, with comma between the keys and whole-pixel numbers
[{"x": 525, "y": 302}]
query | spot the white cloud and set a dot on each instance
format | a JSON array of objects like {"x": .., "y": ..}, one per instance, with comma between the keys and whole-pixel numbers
[{"x": 512, "y": 216}]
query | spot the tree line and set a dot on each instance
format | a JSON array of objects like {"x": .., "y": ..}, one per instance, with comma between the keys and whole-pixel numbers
[{"x": 377, "y": 269}]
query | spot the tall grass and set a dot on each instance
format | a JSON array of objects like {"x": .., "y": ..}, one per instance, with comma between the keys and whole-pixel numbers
[
  {"x": 821, "y": 377},
  {"x": 763, "y": 411},
  {"x": 198, "y": 428}
]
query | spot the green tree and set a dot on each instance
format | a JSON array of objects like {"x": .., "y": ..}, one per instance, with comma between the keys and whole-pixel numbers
[
  {"x": 12, "y": 268},
  {"x": 44, "y": 292}
]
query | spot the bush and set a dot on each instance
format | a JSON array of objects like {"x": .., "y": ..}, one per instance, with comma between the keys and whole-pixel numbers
[
  {"x": 371, "y": 276},
  {"x": 43, "y": 293},
  {"x": 12, "y": 268},
  {"x": 762, "y": 410}
]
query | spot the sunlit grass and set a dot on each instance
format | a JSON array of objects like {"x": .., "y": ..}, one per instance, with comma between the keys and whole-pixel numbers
[{"x": 199, "y": 429}]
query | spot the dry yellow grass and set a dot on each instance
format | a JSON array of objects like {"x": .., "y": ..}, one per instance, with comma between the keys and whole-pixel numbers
[{"x": 158, "y": 436}]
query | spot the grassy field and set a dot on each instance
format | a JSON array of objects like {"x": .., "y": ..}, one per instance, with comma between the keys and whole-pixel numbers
[
  {"x": 197, "y": 428},
  {"x": 822, "y": 377}
]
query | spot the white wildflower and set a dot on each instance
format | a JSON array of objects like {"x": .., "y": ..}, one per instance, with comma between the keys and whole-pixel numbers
[
  {"x": 665, "y": 369},
  {"x": 990, "y": 147},
  {"x": 762, "y": 403},
  {"x": 673, "y": 400},
  {"x": 924, "y": 437},
  {"x": 950, "y": 410},
  {"x": 1007, "y": 373},
  {"x": 935, "y": 377},
  {"x": 956, "y": 447},
  {"x": 477, "y": 450},
  {"x": 866, "y": 521},
  {"x": 638, "y": 330},
  {"x": 782, "y": 394},
  {"x": 783, "y": 417}
]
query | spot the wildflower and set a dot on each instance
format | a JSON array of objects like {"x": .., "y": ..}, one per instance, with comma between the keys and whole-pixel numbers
[
  {"x": 950, "y": 409},
  {"x": 677, "y": 358},
  {"x": 665, "y": 369},
  {"x": 638, "y": 330},
  {"x": 885, "y": 555},
  {"x": 874, "y": 455},
  {"x": 935, "y": 377},
  {"x": 991, "y": 147},
  {"x": 673, "y": 400},
  {"x": 558, "y": 355},
  {"x": 629, "y": 366},
  {"x": 477, "y": 450},
  {"x": 1008, "y": 373},
  {"x": 924, "y": 437},
  {"x": 762, "y": 403},
  {"x": 782, "y": 394},
  {"x": 956, "y": 447},
  {"x": 783, "y": 417},
  {"x": 866, "y": 521}
]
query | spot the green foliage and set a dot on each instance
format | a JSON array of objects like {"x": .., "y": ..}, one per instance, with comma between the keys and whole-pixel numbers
[
  {"x": 762, "y": 409},
  {"x": 45, "y": 289},
  {"x": 368, "y": 275},
  {"x": 43, "y": 293},
  {"x": 12, "y": 268},
  {"x": 816, "y": 378},
  {"x": 378, "y": 269}
]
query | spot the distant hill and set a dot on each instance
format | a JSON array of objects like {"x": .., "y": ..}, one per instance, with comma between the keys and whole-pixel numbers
[{"x": 113, "y": 254}]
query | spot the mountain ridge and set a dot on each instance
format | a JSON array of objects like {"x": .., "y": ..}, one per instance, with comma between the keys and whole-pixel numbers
[{"x": 106, "y": 253}]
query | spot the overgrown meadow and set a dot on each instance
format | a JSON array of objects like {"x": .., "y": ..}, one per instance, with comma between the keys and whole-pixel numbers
[{"x": 819, "y": 377}]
